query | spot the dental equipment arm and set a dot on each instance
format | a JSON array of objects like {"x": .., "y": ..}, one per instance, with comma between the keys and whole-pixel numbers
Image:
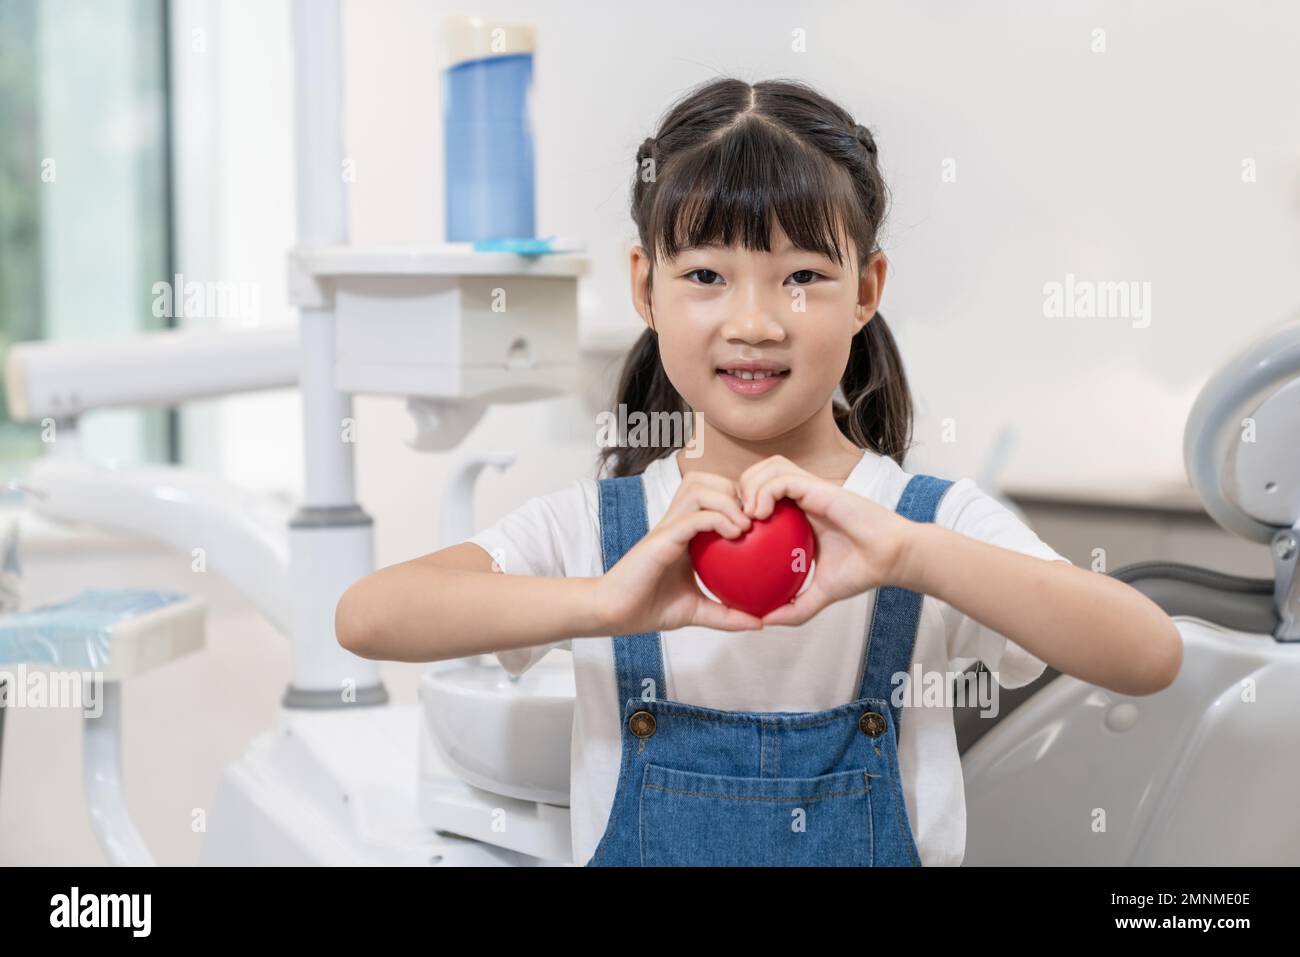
[{"x": 61, "y": 379}]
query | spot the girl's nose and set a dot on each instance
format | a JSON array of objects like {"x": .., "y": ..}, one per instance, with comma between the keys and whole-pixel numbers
[{"x": 753, "y": 321}]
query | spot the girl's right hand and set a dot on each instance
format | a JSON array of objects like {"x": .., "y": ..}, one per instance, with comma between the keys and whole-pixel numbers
[{"x": 652, "y": 587}]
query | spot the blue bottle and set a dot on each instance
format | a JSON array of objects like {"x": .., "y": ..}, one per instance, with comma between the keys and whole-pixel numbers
[{"x": 487, "y": 129}]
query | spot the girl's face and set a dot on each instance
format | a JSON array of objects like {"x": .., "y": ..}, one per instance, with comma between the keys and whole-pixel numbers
[{"x": 756, "y": 342}]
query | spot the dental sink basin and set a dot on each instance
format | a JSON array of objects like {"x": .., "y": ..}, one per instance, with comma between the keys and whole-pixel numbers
[{"x": 508, "y": 737}]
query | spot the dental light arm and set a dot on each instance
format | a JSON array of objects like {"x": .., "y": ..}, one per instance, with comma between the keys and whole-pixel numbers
[{"x": 62, "y": 379}]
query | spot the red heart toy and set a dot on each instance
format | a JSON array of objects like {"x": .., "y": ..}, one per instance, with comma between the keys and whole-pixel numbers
[{"x": 764, "y": 567}]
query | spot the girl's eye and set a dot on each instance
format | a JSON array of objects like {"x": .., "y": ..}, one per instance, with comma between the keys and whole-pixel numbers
[{"x": 707, "y": 272}]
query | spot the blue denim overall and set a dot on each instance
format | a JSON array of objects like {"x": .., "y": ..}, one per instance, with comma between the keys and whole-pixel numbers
[{"x": 703, "y": 787}]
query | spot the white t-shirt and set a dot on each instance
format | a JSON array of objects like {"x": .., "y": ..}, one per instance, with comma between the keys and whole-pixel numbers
[{"x": 811, "y": 667}]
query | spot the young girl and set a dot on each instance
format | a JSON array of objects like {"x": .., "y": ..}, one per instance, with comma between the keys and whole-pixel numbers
[{"x": 703, "y": 735}]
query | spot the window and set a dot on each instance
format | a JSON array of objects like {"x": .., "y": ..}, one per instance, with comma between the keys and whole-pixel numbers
[{"x": 85, "y": 211}]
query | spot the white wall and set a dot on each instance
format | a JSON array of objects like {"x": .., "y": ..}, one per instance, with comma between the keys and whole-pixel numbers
[{"x": 1123, "y": 165}]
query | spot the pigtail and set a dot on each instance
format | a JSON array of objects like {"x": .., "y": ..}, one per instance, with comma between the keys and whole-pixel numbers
[
  {"x": 878, "y": 413},
  {"x": 643, "y": 386}
]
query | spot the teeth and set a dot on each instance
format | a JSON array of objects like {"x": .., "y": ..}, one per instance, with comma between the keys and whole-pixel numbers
[{"x": 746, "y": 374}]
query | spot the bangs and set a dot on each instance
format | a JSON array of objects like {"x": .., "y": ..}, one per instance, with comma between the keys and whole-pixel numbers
[{"x": 729, "y": 191}]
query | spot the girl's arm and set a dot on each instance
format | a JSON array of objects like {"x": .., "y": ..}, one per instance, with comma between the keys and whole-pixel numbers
[
  {"x": 455, "y": 602},
  {"x": 1083, "y": 623},
  {"x": 450, "y": 604}
]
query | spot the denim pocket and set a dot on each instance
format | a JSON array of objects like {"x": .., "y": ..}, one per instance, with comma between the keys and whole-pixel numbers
[{"x": 710, "y": 820}]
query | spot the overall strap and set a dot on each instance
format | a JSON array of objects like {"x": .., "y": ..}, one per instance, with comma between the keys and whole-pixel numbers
[
  {"x": 897, "y": 612},
  {"x": 623, "y": 523}
]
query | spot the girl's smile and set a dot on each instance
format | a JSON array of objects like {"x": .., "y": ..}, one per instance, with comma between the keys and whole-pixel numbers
[{"x": 752, "y": 377}]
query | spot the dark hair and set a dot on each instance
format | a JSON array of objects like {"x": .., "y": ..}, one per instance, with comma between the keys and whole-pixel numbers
[{"x": 728, "y": 156}]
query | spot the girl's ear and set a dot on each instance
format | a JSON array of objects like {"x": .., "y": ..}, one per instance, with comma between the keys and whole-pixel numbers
[
  {"x": 639, "y": 270},
  {"x": 871, "y": 286},
  {"x": 860, "y": 318}
]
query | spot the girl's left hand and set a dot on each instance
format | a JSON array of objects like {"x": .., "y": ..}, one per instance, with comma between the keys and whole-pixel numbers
[{"x": 860, "y": 544}]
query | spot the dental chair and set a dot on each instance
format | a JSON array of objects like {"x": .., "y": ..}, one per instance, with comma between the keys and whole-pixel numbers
[{"x": 1204, "y": 772}]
